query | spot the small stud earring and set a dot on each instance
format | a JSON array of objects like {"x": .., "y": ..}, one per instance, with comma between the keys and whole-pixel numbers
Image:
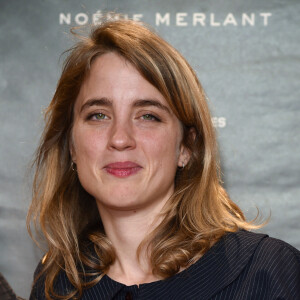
[
  {"x": 73, "y": 166},
  {"x": 182, "y": 165}
]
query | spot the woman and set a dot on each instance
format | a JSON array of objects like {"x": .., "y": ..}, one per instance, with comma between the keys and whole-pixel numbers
[{"x": 127, "y": 187}]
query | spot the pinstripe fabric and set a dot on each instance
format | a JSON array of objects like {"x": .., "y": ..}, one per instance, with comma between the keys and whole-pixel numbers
[{"x": 241, "y": 265}]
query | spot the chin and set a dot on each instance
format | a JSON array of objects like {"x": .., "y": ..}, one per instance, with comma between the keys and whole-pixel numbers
[{"x": 120, "y": 199}]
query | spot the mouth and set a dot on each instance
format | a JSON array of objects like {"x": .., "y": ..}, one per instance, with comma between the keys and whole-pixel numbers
[{"x": 122, "y": 169}]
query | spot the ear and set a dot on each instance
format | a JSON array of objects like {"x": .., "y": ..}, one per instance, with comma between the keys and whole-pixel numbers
[
  {"x": 185, "y": 153},
  {"x": 72, "y": 149},
  {"x": 184, "y": 156}
]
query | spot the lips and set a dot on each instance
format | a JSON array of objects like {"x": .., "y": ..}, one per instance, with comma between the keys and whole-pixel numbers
[{"x": 122, "y": 169}]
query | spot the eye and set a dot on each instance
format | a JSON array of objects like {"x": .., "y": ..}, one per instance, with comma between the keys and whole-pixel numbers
[
  {"x": 100, "y": 116},
  {"x": 97, "y": 116},
  {"x": 149, "y": 117}
]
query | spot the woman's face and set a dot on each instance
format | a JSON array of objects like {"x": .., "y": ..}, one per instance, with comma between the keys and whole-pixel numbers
[{"x": 126, "y": 141}]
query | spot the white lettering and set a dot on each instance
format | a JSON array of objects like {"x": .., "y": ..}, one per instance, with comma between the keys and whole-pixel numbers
[
  {"x": 199, "y": 18},
  {"x": 81, "y": 19},
  {"x": 222, "y": 122},
  {"x": 265, "y": 16},
  {"x": 180, "y": 19},
  {"x": 230, "y": 19},
  {"x": 212, "y": 21},
  {"x": 214, "y": 121},
  {"x": 137, "y": 17},
  {"x": 110, "y": 16},
  {"x": 159, "y": 19},
  {"x": 64, "y": 19},
  {"x": 246, "y": 19},
  {"x": 97, "y": 17},
  {"x": 116, "y": 17},
  {"x": 219, "y": 122}
]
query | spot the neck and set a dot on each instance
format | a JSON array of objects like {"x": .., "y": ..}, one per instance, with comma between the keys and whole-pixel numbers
[{"x": 126, "y": 230}]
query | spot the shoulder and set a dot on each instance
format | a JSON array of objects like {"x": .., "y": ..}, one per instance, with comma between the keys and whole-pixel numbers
[
  {"x": 274, "y": 248},
  {"x": 261, "y": 266},
  {"x": 279, "y": 261},
  {"x": 266, "y": 250}
]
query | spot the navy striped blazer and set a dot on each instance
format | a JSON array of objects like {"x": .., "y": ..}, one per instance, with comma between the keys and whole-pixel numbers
[{"x": 242, "y": 265}]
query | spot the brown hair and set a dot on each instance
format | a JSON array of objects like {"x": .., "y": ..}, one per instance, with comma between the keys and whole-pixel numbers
[{"x": 197, "y": 215}]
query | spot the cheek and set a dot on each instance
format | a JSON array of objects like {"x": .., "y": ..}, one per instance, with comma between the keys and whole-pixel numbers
[
  {"x": 87, "y": 144},
  {"x": 162, "y": 147}
]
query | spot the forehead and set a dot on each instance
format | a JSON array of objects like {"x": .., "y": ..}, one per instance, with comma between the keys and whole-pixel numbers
[{"x": 113, "y": 77}]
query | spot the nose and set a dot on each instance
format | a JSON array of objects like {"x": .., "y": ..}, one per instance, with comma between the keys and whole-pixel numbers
[{"x": 121, "y": 137}]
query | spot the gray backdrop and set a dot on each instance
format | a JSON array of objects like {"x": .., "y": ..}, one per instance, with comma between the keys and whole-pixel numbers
[{"x": 246, "y": 54}]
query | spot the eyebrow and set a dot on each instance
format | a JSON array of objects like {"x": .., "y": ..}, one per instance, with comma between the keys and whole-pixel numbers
[
  {"x": 96, "y": 102},
  {"x": 138, "y": 103},
  {"x": 150, "y": 102}
]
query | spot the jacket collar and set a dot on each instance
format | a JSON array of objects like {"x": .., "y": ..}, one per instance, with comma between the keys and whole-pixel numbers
[{"x": 210, "y": 274}]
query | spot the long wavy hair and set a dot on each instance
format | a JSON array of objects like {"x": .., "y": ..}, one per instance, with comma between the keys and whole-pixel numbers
[{"x": 197, "y": 215}]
